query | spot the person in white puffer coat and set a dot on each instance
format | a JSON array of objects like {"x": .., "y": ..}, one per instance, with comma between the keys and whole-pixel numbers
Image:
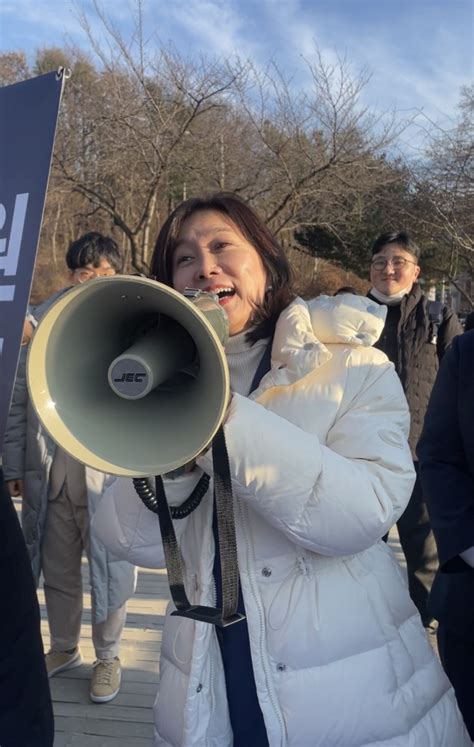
[{"x": 332, "y": 652}]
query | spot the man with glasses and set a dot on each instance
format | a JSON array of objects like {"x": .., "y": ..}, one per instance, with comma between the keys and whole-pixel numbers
[
  {"x": 416, "y": 335},
  {"x": 59, "y": 496}
]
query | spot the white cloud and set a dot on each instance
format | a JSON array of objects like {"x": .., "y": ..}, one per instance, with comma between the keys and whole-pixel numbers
[
  {"x": 416, "y": 61},
  {"x": 215, "y": 26},
  {"x": 29, "y": 25},
  {"x": 48, "y": 17},
  {"x": 419, "y": 53}
]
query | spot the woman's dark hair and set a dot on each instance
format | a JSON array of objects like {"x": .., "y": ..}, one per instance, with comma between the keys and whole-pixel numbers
[
  {"x": 402, "y": 238},
  {"x": 278, "y": 294},
  {"x": 90, "y": 249},
  {"x": 347, "y": 289}
]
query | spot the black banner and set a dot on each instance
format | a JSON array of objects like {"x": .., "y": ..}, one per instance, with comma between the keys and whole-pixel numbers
[{"x": 28, "y": 116}]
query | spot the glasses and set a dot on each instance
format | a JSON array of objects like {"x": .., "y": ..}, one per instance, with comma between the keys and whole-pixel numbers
[
  {"x": 84, "y": 274},
  {"x": 398, "y": 263}
]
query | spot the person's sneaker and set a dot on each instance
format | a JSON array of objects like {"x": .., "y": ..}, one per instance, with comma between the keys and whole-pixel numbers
[
  {"x": 105, "y": 682},
  {"x": 59, "y": 661}
]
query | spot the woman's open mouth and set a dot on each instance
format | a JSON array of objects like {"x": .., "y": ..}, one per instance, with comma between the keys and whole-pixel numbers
[{"x": 224, "y": 294}]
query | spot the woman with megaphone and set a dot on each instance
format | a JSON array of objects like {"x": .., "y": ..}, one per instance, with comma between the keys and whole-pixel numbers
[{"x": 328, "y": 649}]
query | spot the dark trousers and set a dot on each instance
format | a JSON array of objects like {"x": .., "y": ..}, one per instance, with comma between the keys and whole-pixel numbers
[
  {"x": 419, "y": 546},
  {"x": 26, "y": 714},
  {"x": 457, "y": 658}
]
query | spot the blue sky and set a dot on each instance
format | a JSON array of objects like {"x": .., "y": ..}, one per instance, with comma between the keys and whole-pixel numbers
[{"x": 419, "y": 52}]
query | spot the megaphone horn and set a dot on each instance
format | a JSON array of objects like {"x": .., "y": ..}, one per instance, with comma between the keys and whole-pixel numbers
[{"x": 129, "y": 376}]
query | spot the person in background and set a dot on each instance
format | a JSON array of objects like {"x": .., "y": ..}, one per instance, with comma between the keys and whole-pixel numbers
[
  {"x": 59, "y": 497},
  {"x": 446, "y": 455},
  {"x": 415, "y": 337},
  {"x": 331, "y": 652}
]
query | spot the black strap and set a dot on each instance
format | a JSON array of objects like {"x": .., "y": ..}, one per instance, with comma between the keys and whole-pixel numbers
[
  {"x": 227, "y": 545},
  {"x": 225, "y": 563},
  {"x": 174, "y": 561},
  {"x": 224, "y": 504},
  {"x": 223, "y": 501},
  {"x": 263, "y": 367}
]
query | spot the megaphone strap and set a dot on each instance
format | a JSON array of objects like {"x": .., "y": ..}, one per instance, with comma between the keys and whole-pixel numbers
[
  {"x": 174, "y": 560},
  {"x": 227, "y": 541},
  {"x": 224, "y": 504}
]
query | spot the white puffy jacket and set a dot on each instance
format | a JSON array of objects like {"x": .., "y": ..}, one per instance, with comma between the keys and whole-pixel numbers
[{"x": 321, "y": 470}]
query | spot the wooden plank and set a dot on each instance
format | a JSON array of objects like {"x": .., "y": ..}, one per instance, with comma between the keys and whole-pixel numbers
[
  {"x": 70, "y": 691},
  {"x": 87, "y": 740},
  {"x": 137, "y": 675},
  {"x": 104, "y": 712},
  {"x": 101, "y": 727}
]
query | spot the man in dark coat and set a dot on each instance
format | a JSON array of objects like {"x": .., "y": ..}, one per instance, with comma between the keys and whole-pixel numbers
[
  {"x": 446, "y": 454},
  {"x": 416, "y": 335},
  {"x": 26, "y": 714}
]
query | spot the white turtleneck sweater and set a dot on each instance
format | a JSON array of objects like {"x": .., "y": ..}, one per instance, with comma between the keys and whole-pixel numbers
[{"x": 243, "y": 358}]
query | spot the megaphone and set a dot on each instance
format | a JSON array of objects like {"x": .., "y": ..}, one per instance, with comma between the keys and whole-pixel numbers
[{"x": 129, "y": 376}]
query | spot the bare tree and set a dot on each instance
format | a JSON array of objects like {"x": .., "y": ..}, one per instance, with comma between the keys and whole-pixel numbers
[
  {"x": 13, "y": 68},
  {"x": 443, "y": 192},
  {"x": 134, "y": 121},
  {"x": 321, "y": 147},
  {"x": 142, "y": 128}
]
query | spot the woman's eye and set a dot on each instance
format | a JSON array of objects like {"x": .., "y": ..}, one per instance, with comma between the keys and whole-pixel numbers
[
  {"x": 183, "y": 259},
  {"x": 221, "y": 245}
]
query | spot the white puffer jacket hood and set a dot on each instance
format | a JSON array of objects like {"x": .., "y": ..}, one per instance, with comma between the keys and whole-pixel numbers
[
  {"x": 347, "y": 318},
  {"x": 320, "y": 471}
]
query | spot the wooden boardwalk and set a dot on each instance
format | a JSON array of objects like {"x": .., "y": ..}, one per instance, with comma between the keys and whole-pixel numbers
[{"x": 127, "y": 721}]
